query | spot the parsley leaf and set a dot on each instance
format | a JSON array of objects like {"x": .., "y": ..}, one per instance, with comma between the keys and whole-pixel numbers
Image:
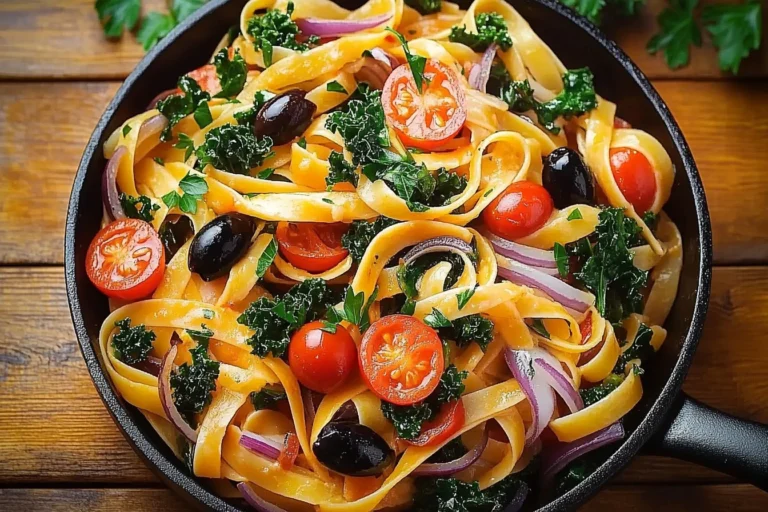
[
  {"x": 231, "y": 73},
  {"x": 185, "y": 142},
  {"x": 194, "y": 187},
  {"x": 537, "y": 325},
  {"x": 276, "y": 28},
  {"x": 735, "y": 29},
  {"x": 115, "y": 15},
  {"x": 154, "y": 27},
  {"x": 361, "y": 233},
  {"x": 268, "y": 397},
  {"x": 463, "y": 298},
  {"x": 340, "y": 171},
  {"x": 436, "y": 319},
  {"x": 491, "y": 28},
  {"x": 132, "y": 345},
  {"x": 597, "y": 393},
  {"x": 335, "y": 87},
  {"x": 354, "y": 310},
  {"x": 266, "y": 258},
  {"x": 590, "y": 9},
  {"x": 178, "y": 106},
  {"x": 415, "y": 62},
  {"x": 234, "y": 148},
  {"x": 574, "y": 215},
  {"x": 144, "y": 211},
  {"x": 202, "y": 115},
  {"x": 561, "y": 259},
  {"x": 678, "y": 32},
  {"x": 126, "y": 130},
  {"x": 425, "y": 6}
]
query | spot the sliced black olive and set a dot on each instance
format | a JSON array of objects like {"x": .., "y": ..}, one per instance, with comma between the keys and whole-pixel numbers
[
  {"x": 174, "y": 232},
  {"x": 567, "y": 179},
  {"x": 220, "y": 244},
  {"x": 352, "y": 449},
  {"x": 284, "y": 117}
]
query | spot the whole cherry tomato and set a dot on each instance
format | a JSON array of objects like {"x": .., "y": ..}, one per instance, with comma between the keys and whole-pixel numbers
[
  {"x": 322, "y": 360},
  {"x": 521, "y": 209},
  {"x": 635, "y": 177}
]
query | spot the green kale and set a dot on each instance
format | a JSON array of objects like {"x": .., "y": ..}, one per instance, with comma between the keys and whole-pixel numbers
[
  {"x": 274, "y": 320},
  {"x": 340, "y": 171},
  {"x": 602, "y": 390},
  {"x": 608, "y": 272},
  {"x": 408, "y": 275},
  {"x": 267, "y": 397},
  {"x": 408, "y": 419},
  {"x": 132, "y": 345},
  {"x": 518, "y": 94},
  {"x": 454, "y": 495},
  {"x": 193, "y": 384},
  {"x": 577, "y": 97},
  {"x": 360, "y": 235},
  {"x": 178, "y": 106},
  {"x": 247, "y": 116},
  {"x": 455, "y": 449},
  {"x": 231, "y": 73},
  {"x": 640, "y": 348},
  {"x": 234, "y": 148},
  {"x": 447, "y": 185},
  {"x": 425, "y": 6},
  {"x": 491, "y": 28},
  {"x": 140, "y": 207},
  {"x": 579, "y": 469},
  {"x": 276, "y": 28},
  {"x": 466, "y": 329}
]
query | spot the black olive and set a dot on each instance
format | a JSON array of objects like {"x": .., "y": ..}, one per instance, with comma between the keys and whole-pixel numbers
[
  {"x": 220, "y": 244},
  {"x": 174, "y": 232},
  {"x": 284, "y": 117},
  {"x": 352, "y": 449},
  {"x": 567, "y": 179}
]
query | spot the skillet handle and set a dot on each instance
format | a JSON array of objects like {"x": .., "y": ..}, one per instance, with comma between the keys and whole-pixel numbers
[{"x": 703, "y": 435}]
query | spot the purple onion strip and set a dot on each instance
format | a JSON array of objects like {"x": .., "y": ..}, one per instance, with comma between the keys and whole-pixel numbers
[
  {"x": 552, "y": 372},
  {"x": 522, "y": 253},
  {"x": 535, "y": 388},
  {"x": 454, "y": 466},
  {"x": 479, "y": 80},
  {"x": 333, "y": 28},
  {"x": 560, "y": 291},
  {"x": 110, "y": 196},
  {"x": 437, "y": 244},
  {"x": 261, "y": 445},
  {"x": 556, "y": 457}
]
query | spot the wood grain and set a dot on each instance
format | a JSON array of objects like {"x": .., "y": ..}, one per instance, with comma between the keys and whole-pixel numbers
[
  {"x": 54, "y": 428},
  {"x": 734, "y": 498},
  {"x": 62, "y": 39},
  {"x": 44, "y": 128}
]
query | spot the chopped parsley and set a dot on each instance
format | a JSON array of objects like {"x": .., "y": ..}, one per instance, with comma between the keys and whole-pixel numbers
[
  {"x": 640, "y": 348},
  {"x": 276, "y": 28},
  {"x": 491, "y": 28},
  {"x": 126, "y": 130},
  {"x": 354, "y": 310},
  {"x": 187, "y": 144},
  {"x": 194, "y": 187},
  {"x": 132, "y": 345},
  {"x": 274, "y": 320},
  {"x": 234, "y": 148},
  {"x": 231, "y": 73},
  {"x": 335, "y": 87},
  {"x": 537, "y": 326},
  {"x": 574, "y": 215},
  {"x": 361, "y": 233},
  {"x": 561, "y": 260},
  {"x": 193, "y": 384},
  {"x": 202, "y": 115},
  {"x": 140, "y": 207},
  {"x": 178, "y": 106},
  {"x": 462, "y": 298},
  {"x": 268, "y": 397},
  {"x": 266, "y": 258},
  {"x": 415, "y": 62},
  {"x": 116, "y": 15}
]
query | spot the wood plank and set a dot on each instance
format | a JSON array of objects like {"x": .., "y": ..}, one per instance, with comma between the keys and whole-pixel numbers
[
  {"x": 55, "y": 39},
  {"x": 68, "y": 436},
  {"x": 44, "y": 127},
  {"x": 646, "y": 498}
]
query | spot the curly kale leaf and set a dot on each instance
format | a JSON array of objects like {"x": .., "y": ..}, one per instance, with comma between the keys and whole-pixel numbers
[
  {"x": 267, "y": 397},
  {"x": 577, "y": 97},
  {"x": 425, "y": 6},
  {"x": 608, "y": 271},
  {"x": 132, "y": 345},
  {"x": 454, "y": 495},
  {"x": 193, "y": 384},
  {"x": 491, "y": 28},
  {"x": 640, "y": 348},
  {"x": 340, "y": 171},
  {"x": 408, "y": 275},
  {"x": 360, "y": 235},
  {"x": 455, "y": 449},
  {"x": 234, "y": 148},
  {"x": 274, "y": 320},
  {"x": 408, "y": 419},
  {"x": 597, "y": 393},
  {"x": 178, "y": 106},
  {"x": 140, "y": 207},
  {"x": 276, "y": 28},
  {"x": 467, "y": 329},
  {"x": 231, "y": 73},
  {"x": 363, "y": 127}
]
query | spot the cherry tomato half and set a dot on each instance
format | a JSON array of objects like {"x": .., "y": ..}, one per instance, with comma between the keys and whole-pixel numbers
[
  {"x": 322, "y": 360},
  {"x": 428, "y": 119},
  {"x": 635, "y": 177},
  {"x": 311, "y": 246},
  {"x": 126, "y": 259},
  {"x": 518, "y": 211},
  {"x": 401, "y": 359},
  {"x": 207, "y": 79},
  {"x": 447, "y": 422},
  {"x": 289, "y": 452}
]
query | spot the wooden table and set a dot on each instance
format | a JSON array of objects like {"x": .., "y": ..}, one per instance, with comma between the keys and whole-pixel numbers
[{"x": 60, "y": 449}]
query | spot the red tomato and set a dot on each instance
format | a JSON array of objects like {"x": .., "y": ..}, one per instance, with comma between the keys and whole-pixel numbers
[
  {"x": 311, "y": 246},
  {"x": 447, "y": 422},
  {"x": 518, "y": 211},
  {"x": 428, "y": 119},
  {"x": 321, "y": 360},
  {"x": 401, "y": 359},
  {"x": 206, "y": 78},
  {"x": 586, "y": 329},
  {"x": 635, "y": 177},
  {"x": 620, "y": 123},
  {"x": 126, "y": 259},
  {"x": 289, "y": 452}
]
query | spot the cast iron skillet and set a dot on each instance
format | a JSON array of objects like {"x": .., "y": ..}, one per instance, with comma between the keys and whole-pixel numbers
[{"x": 667, "y": 421}]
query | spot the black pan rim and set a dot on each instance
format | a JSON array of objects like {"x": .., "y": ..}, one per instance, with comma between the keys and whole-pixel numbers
[{"x": 190, "y": 488}]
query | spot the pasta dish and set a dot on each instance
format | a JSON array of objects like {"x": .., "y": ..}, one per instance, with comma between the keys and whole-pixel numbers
[{"x": 399, "y": 257}]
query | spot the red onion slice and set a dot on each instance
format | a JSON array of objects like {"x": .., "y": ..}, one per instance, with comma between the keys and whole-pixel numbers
[
  {"x": 110, "y": 196},
  {"x": 559, "y": 455},
  {"x": 437, "y": 244},
  {"x": 166, "y": 398},
  {"x": 256, "y": 501},
  {"x": 560, "y": 291},
  {"x": 160, "y": 97},
  {"x": 150, "y": 365},
  {"x": 333, "y": 28},
  {"x": 262, "y": 445},
  {"x": 552, "y": 372},
  {"x": 517, "y": 502},
  {"x": 521, "y": 253},
  {"x": 454, "y": 466},
  {"x": 152, "y": 126},
  {"x": 536, "y": 389},
  {"x": 479, "y": 79}
]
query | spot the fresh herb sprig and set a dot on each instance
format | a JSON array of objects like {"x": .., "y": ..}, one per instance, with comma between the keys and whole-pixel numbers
[{"x": 193, "y": 187}]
